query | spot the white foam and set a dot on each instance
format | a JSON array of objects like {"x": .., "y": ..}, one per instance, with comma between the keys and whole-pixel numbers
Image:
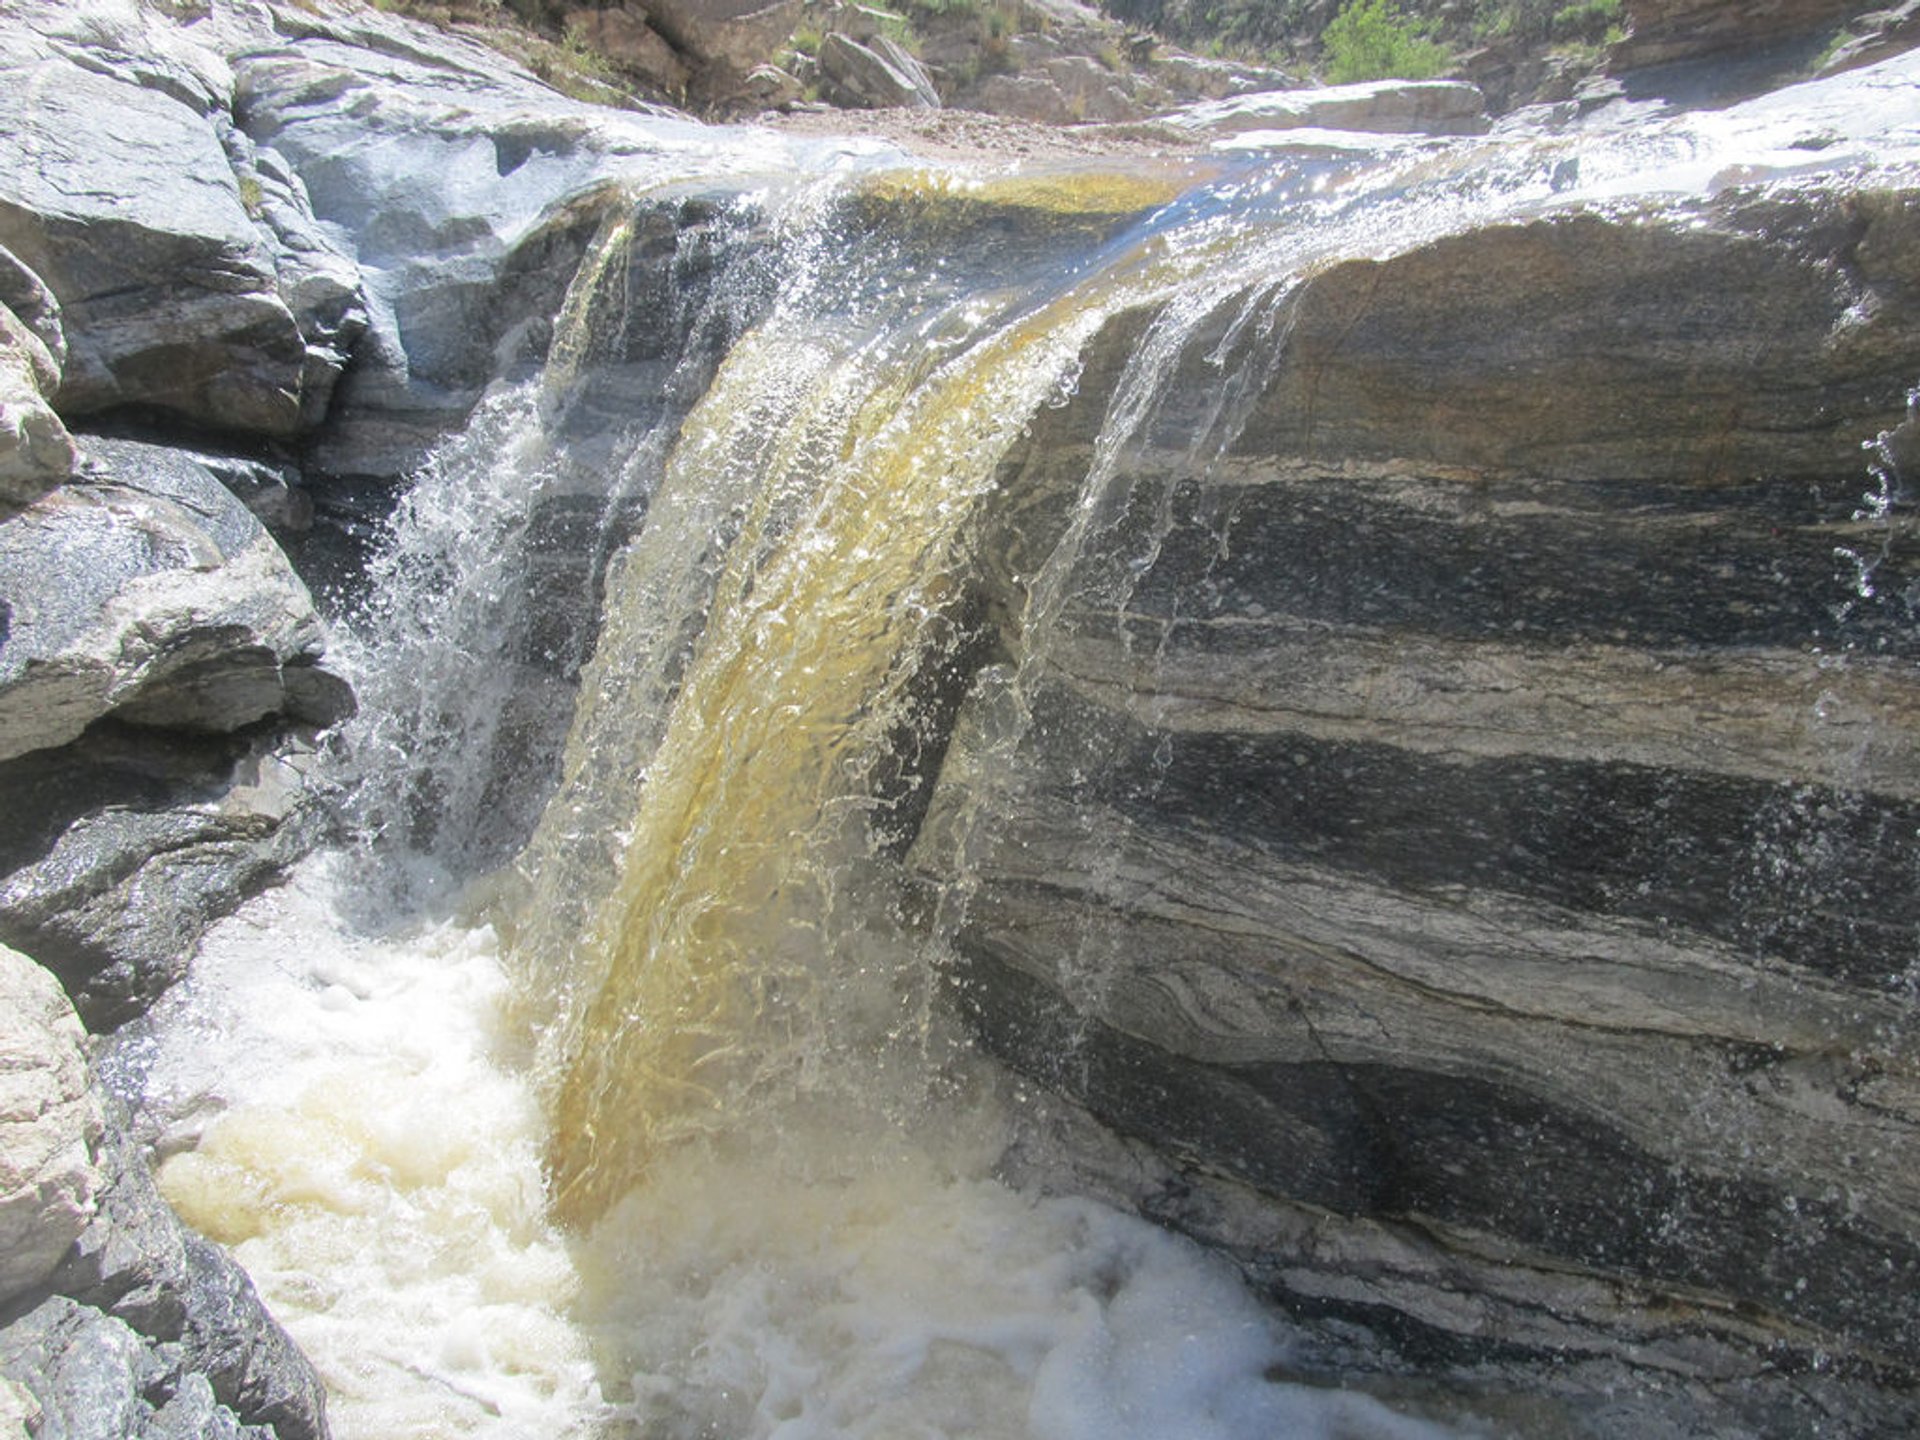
[{"x": 342, "y": 1111}]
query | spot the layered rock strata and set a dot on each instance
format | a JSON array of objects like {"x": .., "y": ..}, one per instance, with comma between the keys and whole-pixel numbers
[{"x": 1462, "y": 835}]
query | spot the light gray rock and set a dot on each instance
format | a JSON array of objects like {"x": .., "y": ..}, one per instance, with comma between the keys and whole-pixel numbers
[
  {"x": 138, "y": 1263},
  {"x": 88, "y": 1373},
  {"x": 878, "y": 75},
  {"x": 148, "y": 591},
  {"x": 91, "y": 1377},
  {"x": 428, "y": 167},
  {"x": 49, "y": 1126},
  {"x": 1416, "y": 107},
  {"x": 19, "y": 1411},
  {"x": 36, "y": 452},
  {"x": 169, "y": 293},
  {"x": 139, "y": 44}
]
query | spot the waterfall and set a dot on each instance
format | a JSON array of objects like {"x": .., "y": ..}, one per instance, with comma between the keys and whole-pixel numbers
[{"x": 610, "y": 1083}]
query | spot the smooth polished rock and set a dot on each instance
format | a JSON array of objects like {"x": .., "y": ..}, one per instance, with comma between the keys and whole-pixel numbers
[
  {"x": 146, "y": 590},
  {"x": 123, "y": 201},
  {"x": 1421, "y": 107}
]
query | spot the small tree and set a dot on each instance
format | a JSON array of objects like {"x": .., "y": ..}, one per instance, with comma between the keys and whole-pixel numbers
[{"x": 1372, "y": 40}]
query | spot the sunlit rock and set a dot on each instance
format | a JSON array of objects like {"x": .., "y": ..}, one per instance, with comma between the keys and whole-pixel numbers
[
  {"x": 146, "y": 590},
  {"x": 1425, "y": 107},
  {"x": 49, "y": 1126},
  {"x": 168, "y": 292},
  {"x": 877, "y": 75}
]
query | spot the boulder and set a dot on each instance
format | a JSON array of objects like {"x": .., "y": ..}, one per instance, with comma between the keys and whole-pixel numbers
[
  {"x": 139, "y": 1263},
  {"x": 123, "y": 201},
  {"x": 49, "y": 1126},
  {"x": 146, "y": 590},
  {"x": 89, "y": 1375},
  {"x": 625, "y": 39},
  {"x": 730, "y": 36},
  {"x": 130, "y": 843},
  {"x": 1396, "y": 107},
  {"x": 879, "y": 75}
]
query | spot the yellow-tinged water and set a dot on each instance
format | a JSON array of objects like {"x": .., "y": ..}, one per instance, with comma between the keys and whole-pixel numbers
[{"x": 714, "y": 954}]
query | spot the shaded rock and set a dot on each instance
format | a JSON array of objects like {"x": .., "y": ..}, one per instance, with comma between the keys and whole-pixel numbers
[
  {"x": 147, "y": 590},
  {"x": 169, "y": 295},
  {"x": 274, "y": 492},
  {"x": 1875, "y": 36},
  {"x": 131, "y": 843},
  {"x": 49, "y": 1126},
  {"x": 1423, "y": 107},
  {"x": 876, "y": 76}
]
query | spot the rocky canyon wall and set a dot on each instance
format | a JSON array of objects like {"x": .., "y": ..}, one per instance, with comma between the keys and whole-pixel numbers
[{"x": 1462, "y": 833}]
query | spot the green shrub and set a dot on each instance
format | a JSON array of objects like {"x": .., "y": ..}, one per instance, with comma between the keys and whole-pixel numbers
[{"x": 1372, "y": 40}]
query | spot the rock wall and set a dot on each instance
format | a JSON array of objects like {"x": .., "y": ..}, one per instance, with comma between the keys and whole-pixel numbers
[{"x": 1462, "y": 838}]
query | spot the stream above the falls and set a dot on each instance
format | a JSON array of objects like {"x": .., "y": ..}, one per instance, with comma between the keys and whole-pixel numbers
[{"x": 605, "y": 1082}]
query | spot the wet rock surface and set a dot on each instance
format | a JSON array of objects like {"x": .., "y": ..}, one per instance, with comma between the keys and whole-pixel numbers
[{"x": 1460, "y": 829}]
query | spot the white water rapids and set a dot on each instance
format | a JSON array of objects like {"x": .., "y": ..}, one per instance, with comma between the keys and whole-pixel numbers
[{"x": 360, "y": 1099}]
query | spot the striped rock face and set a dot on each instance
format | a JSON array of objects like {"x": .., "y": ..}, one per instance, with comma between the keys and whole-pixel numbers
[{"x": 1456, "y": 814}]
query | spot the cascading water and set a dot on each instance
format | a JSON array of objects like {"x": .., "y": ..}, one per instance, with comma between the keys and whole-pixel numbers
[{"x": 661, "y": 1127}]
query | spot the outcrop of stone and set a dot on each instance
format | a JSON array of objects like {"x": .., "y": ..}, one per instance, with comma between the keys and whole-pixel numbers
[
  {"x": 1463, "y": 837},
  {"x": 1425, "y": 107},
  {"x": 1661, "y": 32},
  {"x": 876, "y": 76},
  {"x": 49, "y": 1126},
  {"x": 184, "y": 616},
  {"x": 169, "y": 293},
  {"x": 115, "y": 1320},
  {"x": 158, "y": 647}
]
